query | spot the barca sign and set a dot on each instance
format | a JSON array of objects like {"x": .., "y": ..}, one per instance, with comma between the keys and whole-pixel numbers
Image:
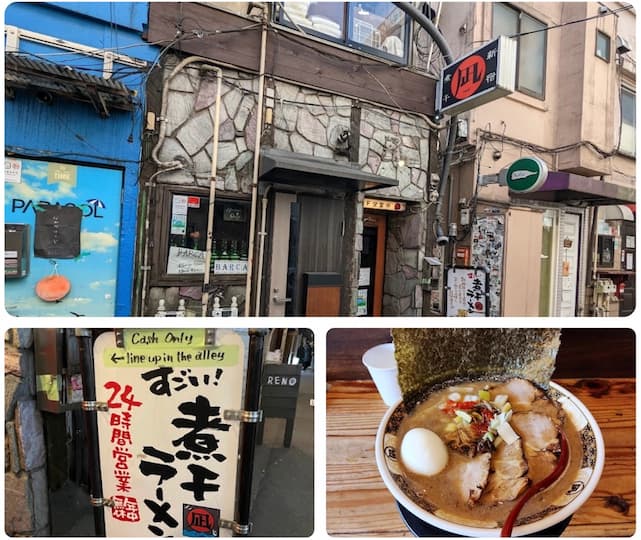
[
  {"x": 168, "y": 449},
  {"x": 483, "y": 75}
]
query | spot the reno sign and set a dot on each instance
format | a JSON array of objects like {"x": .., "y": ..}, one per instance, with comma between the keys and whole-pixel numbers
[{"x": 483, "y": 75}]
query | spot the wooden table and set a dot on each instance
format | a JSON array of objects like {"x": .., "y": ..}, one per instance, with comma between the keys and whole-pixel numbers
[{"x": 358, "y": 504}]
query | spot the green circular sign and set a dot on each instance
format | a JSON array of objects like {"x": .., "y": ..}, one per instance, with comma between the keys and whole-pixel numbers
[{"x": 526, "y": 174}]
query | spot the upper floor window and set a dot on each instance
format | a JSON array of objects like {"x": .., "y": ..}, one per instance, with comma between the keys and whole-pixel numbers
[
  {"x": 602, "y": 46},
  {"x": 627, "y": 142},
  {"x": 375, "y": 27},
  {"x": 531, "y": 36}
]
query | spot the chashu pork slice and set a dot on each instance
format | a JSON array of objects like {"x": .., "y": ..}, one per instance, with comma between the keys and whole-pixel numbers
[
  {"x": 540, "y": 435},
  {"x": 469, "y": 475},
  {"x": 507, "y": 478}
]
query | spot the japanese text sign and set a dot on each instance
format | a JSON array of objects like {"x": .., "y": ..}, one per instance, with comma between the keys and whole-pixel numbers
[
  {"x": 168, "y": 456},
  {"x": 466, "y": 292},
  {"x": 481, "y": 76}
]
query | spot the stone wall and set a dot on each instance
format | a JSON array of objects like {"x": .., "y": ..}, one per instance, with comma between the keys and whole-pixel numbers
[
  {"x": 25, "y": 474},
  {"x": 310, "y": 122}
]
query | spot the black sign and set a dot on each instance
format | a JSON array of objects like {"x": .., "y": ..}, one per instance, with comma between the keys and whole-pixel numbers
[
  {"x": 281, "y": 379},
  {"x": 481, "y": 76},
  {"x": 57, "y": 234}
]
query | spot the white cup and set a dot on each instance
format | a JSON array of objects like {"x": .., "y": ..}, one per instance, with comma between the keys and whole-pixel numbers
[{"x": 381, "y": 363}]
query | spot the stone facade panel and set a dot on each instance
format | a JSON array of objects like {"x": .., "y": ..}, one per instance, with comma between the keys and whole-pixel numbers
[
  {"x": 30, "y": 436},
  {"x": 40, "y": 499},
  {"x": 300, "y": 144},
  {"x": 196, "y": 132},
  {"x": 311, "y": 128},
  {"x": 18, "y": 515},
  {"x": 180, "y": 110}
]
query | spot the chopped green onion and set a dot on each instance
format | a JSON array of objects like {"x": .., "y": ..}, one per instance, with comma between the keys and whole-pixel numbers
[
  {"x": 463, "y": 416},
  {"x": 484, "y": 395}
]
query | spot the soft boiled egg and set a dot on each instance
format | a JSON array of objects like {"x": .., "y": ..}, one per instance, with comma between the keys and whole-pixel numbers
[{"x": 423, "y": 452}]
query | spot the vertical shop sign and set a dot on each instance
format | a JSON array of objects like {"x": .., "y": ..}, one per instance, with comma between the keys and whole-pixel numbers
[
  {"x": 168, "y": 455},
  {"x": 467, "y": 292}
]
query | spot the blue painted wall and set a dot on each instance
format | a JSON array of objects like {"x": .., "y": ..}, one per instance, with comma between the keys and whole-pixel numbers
[{"x": 68, "y": 130}]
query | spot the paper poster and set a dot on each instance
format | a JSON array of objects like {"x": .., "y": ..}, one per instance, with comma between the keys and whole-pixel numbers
[
  {"x": 466, "y": 292},
  {"x": 185, "y": 261},
  {"x": 178, "y": 224},
  {"x": 364, "y": 277},
  {"x": 361, "y": 303},
  {"x": 179, "y": 205},
  {"x": 12, "y": 170},
  {"x": 168, "y": 455}
]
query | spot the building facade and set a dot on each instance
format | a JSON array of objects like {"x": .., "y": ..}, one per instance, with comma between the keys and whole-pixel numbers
[
  {"x": 74, "y": 74},
  {"x": 319, "y": 143},
  {"x": 569, "y": 248}
]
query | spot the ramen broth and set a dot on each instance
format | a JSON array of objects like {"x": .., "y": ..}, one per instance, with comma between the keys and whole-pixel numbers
[{"x": 441, "y": 492}]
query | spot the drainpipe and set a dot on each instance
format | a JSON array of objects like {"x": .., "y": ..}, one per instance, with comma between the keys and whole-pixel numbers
[
  {"x": 166, "y": 166},
  {"x": 212, "y": 190},
  {"x": 261, "y": 248},
  {"x": 441, "y": 235},
  {"x": 259, "y": 130}
]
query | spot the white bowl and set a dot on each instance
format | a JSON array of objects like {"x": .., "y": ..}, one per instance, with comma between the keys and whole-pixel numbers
[{"x": 581, "y": 488}]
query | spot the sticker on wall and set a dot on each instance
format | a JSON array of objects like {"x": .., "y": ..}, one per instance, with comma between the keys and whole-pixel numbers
[
  {"x": 168, "y": 454},
  {"x": 73, "y": 215}
]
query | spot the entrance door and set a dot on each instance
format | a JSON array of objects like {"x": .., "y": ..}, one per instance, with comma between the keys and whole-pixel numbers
[
  {"x": 371, "y": 276},
  {"x": 307, "y": 237},
  {"x": 570, "y": 231}
]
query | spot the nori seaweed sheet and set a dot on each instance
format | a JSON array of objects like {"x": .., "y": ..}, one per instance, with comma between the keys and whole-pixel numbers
[{"x": 426, "y": 356}]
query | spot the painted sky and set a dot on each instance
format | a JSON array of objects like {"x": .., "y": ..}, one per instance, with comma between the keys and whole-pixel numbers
[{"x": 93, "y": 274}]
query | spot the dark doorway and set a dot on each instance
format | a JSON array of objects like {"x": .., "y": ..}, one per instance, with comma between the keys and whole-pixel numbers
[
  {"x": 315, "y": 244},
  {"x": 372, "y": 268}
]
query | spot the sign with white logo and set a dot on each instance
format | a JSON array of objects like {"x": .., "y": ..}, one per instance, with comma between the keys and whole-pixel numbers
[
  {"x": 526, "y": 174},
  {"x": 168, "y": 455},
  {"x": 481, "y": 76}
]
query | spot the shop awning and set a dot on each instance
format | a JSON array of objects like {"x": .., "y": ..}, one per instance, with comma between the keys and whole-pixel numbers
[
  {"x": 617, "y": 212},
  {"x": 301, "y": 171},
  {"x": 50, "y": 79},
  {"x": 574, "y": 189}
]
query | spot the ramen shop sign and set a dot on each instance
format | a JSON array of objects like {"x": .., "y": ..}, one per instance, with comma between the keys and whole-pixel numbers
[
  {"x": 483, "y": 75},
  {"x": 168, "y": 453}
]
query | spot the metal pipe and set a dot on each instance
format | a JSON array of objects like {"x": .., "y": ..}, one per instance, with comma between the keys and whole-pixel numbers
[
  {"x": 212, "y": 191},
  {"x": 261, "y": 249},
  {"x": 250, "y": 430},
  {"x": 259, "y": 130},
  {"x": 438, "y": 38}
]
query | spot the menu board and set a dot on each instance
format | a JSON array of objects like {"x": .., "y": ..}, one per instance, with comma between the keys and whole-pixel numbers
[{"x": 467, "y": 292}]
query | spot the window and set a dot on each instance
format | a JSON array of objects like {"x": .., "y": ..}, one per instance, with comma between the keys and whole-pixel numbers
[
  {"x": 182, "y": 222},
  {"x": 602, "y": 46},
  {"x": 530, "y": 69},
  {"x": 627, "y": 142},
  {"x": 376, "y": 27}
]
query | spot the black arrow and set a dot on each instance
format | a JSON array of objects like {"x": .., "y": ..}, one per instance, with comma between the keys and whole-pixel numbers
[{"x": 115, "y": 358}]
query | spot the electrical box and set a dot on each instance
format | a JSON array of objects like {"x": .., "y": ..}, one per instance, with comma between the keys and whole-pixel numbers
[
  {"x": 432, "y": 268},
  {"x": 16, "y": 250}
]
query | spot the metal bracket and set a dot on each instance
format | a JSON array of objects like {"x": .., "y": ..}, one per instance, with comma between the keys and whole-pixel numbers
[
  {"x": 210, "y": 337},
  {"x": 93, "y": 501},
  {"x": 236, "y": 527},
  {"x": 82, "y": 332},
  {"x": 120, "y": 337},
  {"x": 249, "y": 417},
  {"x": 93, "y": 406}
]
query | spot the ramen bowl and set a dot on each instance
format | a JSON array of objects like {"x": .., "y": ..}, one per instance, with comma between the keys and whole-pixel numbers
[{"x": 580, "y": 484}]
